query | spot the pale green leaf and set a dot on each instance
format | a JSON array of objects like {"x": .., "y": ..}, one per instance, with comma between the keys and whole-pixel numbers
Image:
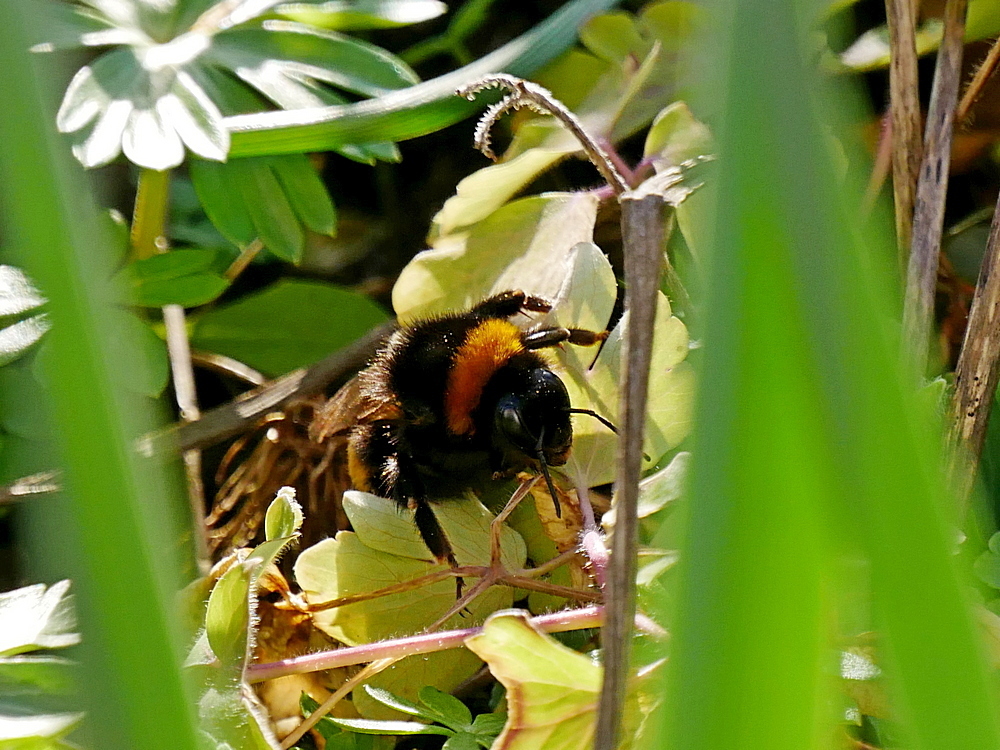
[
  {"x": 341, "y": 15},
  {"x": 525, "y": 245},
  {"x": 284, "y": 515},
  {"x": 17, "y": 293},
  {"x": 37, "y": 617},
  {"x": 552, "y": 691},
  {"x": 17, "y": 338},
  {"x": 371, "y": 726}
]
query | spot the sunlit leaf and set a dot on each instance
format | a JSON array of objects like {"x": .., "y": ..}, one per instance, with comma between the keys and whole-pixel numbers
[
  {"x": 17, "y": 338},
  {"x": 37, "y": 617},
  {"x": 284, "y": 515},
  {"x": 371, "y": 726},
  {"x": 362, "y": 14},
  {"x": 526, "y": 245},
  {"x": 446, "y": 709},
  {"x": 552, "y": 691},
  {"x": 17, "y": 293},
  {"x": 386, "y": 549}
]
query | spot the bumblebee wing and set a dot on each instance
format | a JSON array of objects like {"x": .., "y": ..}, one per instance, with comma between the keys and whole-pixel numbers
[{"x": 352, "y": 405}]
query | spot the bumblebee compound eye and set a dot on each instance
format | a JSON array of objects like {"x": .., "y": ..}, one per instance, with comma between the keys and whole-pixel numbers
[{"x": 535, "y": 419}]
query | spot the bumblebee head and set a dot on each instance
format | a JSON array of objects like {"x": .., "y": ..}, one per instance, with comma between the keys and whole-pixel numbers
[{"x": 533, "y": 418}]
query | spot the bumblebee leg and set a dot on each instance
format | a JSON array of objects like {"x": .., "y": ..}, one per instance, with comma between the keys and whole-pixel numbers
[
  {"x": 555, "y": 336},
  {"x": 435, "y": 539},
  {"x": 505, "y": 304}
]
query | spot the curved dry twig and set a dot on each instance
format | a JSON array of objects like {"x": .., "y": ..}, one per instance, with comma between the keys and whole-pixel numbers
[{"x": 526, "y": 95}]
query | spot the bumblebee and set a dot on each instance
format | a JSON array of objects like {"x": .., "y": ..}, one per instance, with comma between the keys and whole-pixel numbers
[{"x": 450, "y": 402}]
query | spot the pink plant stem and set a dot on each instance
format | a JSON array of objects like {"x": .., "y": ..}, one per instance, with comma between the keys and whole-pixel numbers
[{"x": 557, "y": 622}]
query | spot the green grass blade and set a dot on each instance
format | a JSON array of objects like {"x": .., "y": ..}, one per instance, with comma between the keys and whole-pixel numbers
[
  {"x": 411, "y": 112},
  {"x": 807, "y": 441},
  {"x": 123, "y": 573}
]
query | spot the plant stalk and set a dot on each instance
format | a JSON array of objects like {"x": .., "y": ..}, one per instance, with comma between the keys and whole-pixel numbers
[
  {"x": 932, "y": 188},
  {"x": 642, "y": 235},
  {"x": 904, "y": 108}
]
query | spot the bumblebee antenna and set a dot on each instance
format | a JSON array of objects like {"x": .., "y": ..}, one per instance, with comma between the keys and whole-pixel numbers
[
  {"x": 545, "y": 473},
  {"x": 606, "y": 422},
  {"x": 591, "y": 413}
]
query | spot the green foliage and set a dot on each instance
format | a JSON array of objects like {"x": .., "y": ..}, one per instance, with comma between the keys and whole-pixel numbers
[
  {"x": 155, "y": 92},
  {"x": 463, "y": 732},
  {"x": 420, "y": 109},
  {"x": 290, "y": 324},
  {"x": 185, "y": 277},
  {"x": 816, "y": 473},
  {"x": 21, "y": 325},
  {"x": 231, "y": 714},
  {"x": 552, "y": 691},
  {"x": 36, "y": 685},
  {"x": 340, "y": 15},
  {"x": 275, "y": 198},
  {"x": 385, "y": 549},
  {"x": 612, "y": 96},
  {"x": 870, "y": 51}
]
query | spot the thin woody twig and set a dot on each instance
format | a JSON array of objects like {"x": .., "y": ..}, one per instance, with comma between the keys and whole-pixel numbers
[
  {"x": 227, "y": 366},
  {"x": 975, "y": 88},
  {"x": 904, "y": 108},
  {"x": 342, "y": 692},
  {"x": 43, "y": 483},
  {"x": 931, "y": 190},
  {"x": 244, "y": 259},
  {"x": 527, "y": 95},
  {"x": 978, "y": 372},
  {"x": 243, "y": 412},
  {"x": 182, "y": 370}
]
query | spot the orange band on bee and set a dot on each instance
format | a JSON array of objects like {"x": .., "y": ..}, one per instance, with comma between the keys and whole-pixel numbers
[{"x": 487, "y": 348}]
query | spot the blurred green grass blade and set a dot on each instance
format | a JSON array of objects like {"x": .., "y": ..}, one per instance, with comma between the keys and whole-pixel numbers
[
  {"x": 414, "y": 111},
  {"x": 125, "y": 577},
  {"x": 805, "y": 435}
]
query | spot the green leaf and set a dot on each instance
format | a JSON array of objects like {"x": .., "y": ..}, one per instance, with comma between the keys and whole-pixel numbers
[
  {"x": 284, "y": 515},
  {"x": 227, "y": 617},
  {"x": 552, "y": 691},
  {"x": 658, "y": 490},
  {"x": 525, "y": 245},
  {"x": 446, "y": 709},
  {"x": 16, "y": 339},
  {"x": 987, "y": 568},
  {"x": 232, "y": 604},
  {"x": 17, "y": 293},
  {"x": 676, "y": 137},
  {"x": 362, "y": 14},
  {"x": 30, "y": 732},
  {"x": 614, "y": 37},
  {"x": 488, "y": 726},
  {"x": 284, "y": 51},
  {"x": 418, "y": 110},
  {"x": 370, "y": 726},
  {"x": 385, "y": 548},
  {"x": 278, "y": 329},
  {"x": 395, "y": 702},
  {"x": 179, "y": 277},
  {"x": 37, "y": 617},
  {"x": 219, "y": 197},
  {"x": 269, "y": 207},
  {"x": 147, "y": 375},
  {"x": 461, "y": 741},
  {"x": 306, "y": 192}
]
